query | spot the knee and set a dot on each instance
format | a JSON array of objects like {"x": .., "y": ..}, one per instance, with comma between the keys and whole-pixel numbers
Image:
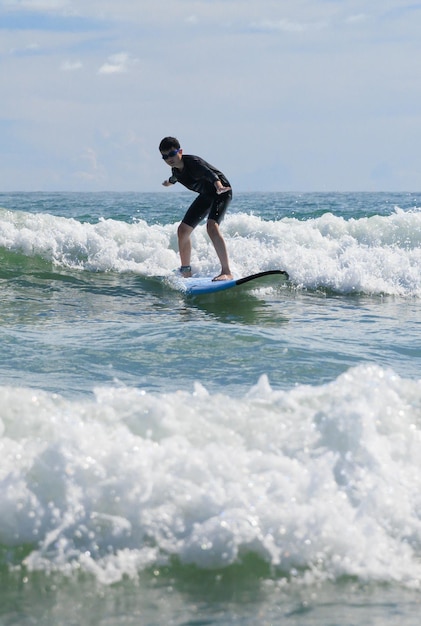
[
  {"x": 212, "y": 228},
  {"x": 183, "y": 231}
]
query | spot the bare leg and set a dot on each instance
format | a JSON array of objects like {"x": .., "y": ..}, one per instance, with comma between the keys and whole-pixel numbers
[
  {"x": 184, "y": 246},
  {"x": 220, "y": 249}
]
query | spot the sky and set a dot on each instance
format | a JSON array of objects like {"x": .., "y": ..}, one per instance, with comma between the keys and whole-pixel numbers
[{"x": 281, "y": 95}]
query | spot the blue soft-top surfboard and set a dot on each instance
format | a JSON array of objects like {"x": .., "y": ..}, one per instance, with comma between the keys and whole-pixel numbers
[{"x": 201, "y": 285}]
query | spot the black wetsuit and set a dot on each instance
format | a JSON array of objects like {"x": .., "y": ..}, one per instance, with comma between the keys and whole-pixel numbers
[{"x": 199, "y": 176}]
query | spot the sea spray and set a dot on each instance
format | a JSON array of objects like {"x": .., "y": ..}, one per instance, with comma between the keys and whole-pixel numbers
[{"x": 317, "y": 479}]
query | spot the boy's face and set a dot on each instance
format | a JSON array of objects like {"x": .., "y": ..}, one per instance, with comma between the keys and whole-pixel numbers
[{"x": 173, "y": 157}]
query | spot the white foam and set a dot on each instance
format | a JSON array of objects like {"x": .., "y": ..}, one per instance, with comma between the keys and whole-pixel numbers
[
  {"x": 376, "y": 255},
  {"x": 322, "y": 478}
]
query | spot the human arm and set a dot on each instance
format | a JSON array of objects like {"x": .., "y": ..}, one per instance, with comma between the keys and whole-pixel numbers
[{"x": 170, "y": 181}]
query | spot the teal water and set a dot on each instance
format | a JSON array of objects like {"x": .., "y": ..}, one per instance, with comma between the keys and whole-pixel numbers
[{"x": 250, "y": 456}]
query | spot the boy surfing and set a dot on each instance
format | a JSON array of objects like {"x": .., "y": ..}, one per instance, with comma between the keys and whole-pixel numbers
[{"x": 214, "y": 197}]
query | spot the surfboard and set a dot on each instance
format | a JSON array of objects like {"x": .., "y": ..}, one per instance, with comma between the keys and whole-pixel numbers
[{"x": 196, "y": 286}]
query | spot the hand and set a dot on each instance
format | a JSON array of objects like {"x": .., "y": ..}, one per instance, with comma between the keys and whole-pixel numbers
[
  {"x": 167, "y": 183},
  {"x": 222, "y": 189}
]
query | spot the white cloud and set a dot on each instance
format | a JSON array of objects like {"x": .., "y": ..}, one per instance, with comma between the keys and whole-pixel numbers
[
  {"x": 286, "y": 25},
  {"x": 94, "y": 171},
  {"x": 117, "y": 64},
  {"x": 27, "y": 49},
  {"x": 360, "y": 17},
  {"x": 71, "y": 66}
]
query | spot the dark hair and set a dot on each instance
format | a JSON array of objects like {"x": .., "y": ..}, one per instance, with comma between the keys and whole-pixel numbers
[{"x": 169, "y": 143}]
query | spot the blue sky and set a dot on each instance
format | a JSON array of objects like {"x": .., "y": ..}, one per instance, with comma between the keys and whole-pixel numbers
[{"x": 310, "y": 95}]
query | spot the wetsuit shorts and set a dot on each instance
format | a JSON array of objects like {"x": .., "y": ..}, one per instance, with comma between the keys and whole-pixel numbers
[{"x": 211, "y": 205}]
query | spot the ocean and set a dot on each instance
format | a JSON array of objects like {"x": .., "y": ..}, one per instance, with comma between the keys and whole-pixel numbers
[{"x": 248, "y": 457}]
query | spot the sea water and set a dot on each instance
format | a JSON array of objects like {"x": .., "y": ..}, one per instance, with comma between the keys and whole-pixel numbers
[{"x": 247, "y": 457}]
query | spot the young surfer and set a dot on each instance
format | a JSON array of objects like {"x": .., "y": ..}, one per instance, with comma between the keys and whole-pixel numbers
[{"x": 214, "y": 196}]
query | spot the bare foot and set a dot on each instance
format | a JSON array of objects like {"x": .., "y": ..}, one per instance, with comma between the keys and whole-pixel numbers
[{"x": 222, "y": 277}]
